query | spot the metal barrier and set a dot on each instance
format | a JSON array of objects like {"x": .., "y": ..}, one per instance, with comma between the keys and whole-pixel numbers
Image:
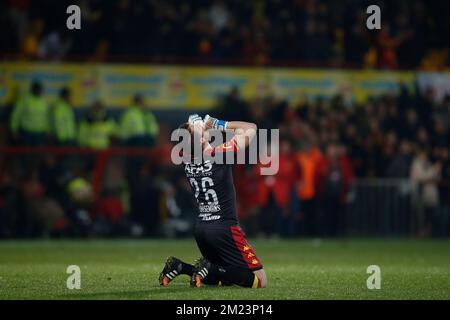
[
  {"x": 374, "y": 207},
  {"x": 385, "y": 207}
]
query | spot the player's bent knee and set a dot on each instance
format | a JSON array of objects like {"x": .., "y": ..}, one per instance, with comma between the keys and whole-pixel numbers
[{"x": 262, "y": 278}]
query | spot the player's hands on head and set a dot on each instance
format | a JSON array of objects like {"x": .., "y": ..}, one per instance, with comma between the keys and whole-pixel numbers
[{"x": 214, "y": 123}]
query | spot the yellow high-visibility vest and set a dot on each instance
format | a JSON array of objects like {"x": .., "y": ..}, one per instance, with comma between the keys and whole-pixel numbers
[
  {"x": 96, "y": 134},
  {"x": 31, "y": 114},
  {"x": 64, "y": 124},
  {"x": 136, "y": 122}
]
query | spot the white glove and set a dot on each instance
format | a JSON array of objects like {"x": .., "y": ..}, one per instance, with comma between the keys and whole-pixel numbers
[
  {"x": 195, "y": 119},
  {"x": 214, "y": 123}
]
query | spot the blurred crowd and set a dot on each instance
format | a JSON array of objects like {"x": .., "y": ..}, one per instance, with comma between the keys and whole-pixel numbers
[
  {"x": 311, "y": 32},
  {"x": 325, "y": 143},
  {"x": 53, "y": 191}
]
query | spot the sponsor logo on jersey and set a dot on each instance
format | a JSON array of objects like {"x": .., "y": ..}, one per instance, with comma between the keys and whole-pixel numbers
[
  {"x": 209, "y": 207},
  {"x": 208, "y": 217},
  {"x": 193, "y": 169}
]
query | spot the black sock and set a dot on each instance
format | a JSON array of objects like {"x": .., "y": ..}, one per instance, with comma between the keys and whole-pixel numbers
[
  {"x": 230, "y": 275},
  {"x": 186, "y": 268},
  {"x": 211, "y": 279}
]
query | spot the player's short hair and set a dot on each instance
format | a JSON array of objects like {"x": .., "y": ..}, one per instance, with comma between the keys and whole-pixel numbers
[{"x": 186, "y": 126}]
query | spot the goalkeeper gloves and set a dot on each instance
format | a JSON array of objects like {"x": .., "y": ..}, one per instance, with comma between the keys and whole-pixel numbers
[
  {"x": 195, "y": 119},
  {"x": 213, "y": 123}
]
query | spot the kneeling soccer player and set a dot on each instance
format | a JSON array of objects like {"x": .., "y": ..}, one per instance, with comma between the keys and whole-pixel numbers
[{"x": 227, "y": 258}]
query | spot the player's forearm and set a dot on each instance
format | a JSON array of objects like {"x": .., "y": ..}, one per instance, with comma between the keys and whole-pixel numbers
[
  {"x": 214, "y": 123},
  {"x": 244, "y": 132},
  {"x": 240, "y": 125}
]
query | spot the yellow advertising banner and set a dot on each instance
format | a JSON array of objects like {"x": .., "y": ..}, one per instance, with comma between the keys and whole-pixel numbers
[
  {"x": 15, "y": 78},
  {"x": 185, "y": 87},
  {"x": 374, "y": 83},
  {"x": 176, "y": 87}
]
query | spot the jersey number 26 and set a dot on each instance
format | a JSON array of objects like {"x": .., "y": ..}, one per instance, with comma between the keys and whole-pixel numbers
[{"x": 210, "y": 194}]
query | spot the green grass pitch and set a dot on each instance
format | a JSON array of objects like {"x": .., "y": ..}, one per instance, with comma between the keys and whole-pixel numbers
[{"x": 296, "y": 269}]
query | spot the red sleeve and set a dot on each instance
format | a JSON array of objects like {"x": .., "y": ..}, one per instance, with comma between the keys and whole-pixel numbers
[{"x": 230, "y": 146}]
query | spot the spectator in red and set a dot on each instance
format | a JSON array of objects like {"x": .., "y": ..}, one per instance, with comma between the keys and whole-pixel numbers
[
  {"x": 277, "y": 192},
  {"x": 334, "y": 174},
  {"x": 387, "y": 46},
  {"x": 250, "y": 196}
]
